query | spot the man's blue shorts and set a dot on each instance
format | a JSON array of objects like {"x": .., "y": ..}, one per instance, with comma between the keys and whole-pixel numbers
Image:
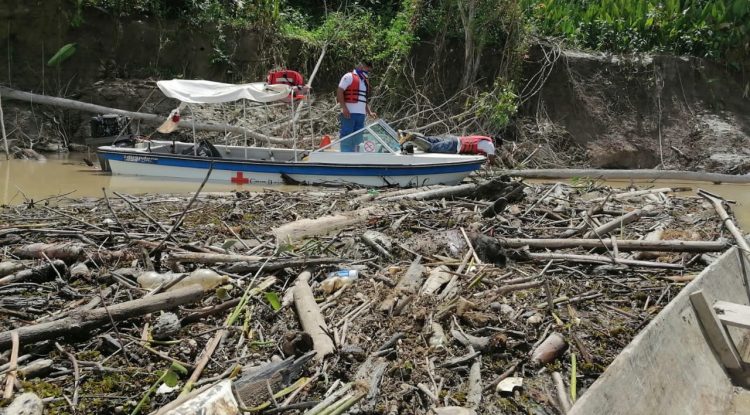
[{"x": 349, "y": 125}]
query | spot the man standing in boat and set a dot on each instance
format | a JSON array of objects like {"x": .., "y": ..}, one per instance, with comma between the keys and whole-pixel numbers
[
  {"x": 353, "y": 95},
  {"x": 451, "y": 144}
]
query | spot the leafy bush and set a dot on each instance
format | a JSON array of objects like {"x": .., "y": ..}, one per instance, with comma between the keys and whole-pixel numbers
[
  {"x": 707, "y": 28},
  {"x": 357, "y": 33},
  {"x": 496, "y": 108},
  {"x": 239, "y": 13}
]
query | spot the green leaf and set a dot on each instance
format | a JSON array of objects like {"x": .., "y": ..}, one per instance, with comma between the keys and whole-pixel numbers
[
  {"x": 170, "y": 378},
  {"x": 222, "y": 293},
  {"x": 62, "y": 55},
  {"x": 285, "y": 247},
  {"x": 178, "y": 368},
  {"x": 273, "y": 300}
]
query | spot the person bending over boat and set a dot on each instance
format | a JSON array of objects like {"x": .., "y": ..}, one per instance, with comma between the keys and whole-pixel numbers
[
  {"x": 451, "y": 144},
  {"x": 353, "y": 96}
]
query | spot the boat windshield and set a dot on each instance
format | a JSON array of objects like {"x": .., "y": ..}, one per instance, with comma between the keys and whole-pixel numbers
[{"x": 377, "y": 137}]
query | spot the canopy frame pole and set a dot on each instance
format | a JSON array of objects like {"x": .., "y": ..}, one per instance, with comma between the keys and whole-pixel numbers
[
  {"x": 312, "y": 125},
  {"x": 195, "y": 137},
  {"x": 294, "y": 128},
  {"x": 244, "y": 117}
]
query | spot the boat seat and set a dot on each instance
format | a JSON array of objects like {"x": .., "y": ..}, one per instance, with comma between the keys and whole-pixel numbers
[
  {"x": 715, "y": 318},
  {"x": 205, "y": 149}
]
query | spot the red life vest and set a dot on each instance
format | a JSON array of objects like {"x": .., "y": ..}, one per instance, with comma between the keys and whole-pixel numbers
[
  {"x": 285, "y": 77},
  {"x": 469, "y": 144},
  {"x": 352, "y": 92}
]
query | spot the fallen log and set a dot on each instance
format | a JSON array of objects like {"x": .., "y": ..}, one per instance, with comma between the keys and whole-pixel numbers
[
  {"x": 310, "y": 318},
  {"x": 515, "y": 194},
  {"x": 305, "y": 228},
  {"x": 11, "y": 267},
  {"x": 629, "y": 175},
  {"x": 45, "y": 272},
  {"x": 622, "y": 245},
  {"x": 175, "y": 258},
  {"x": 68, "y": 252},
  {"x": 84, "y": 321},
  {"x": 152, "y": 119},
  {"x": 401, "y": 192},
  {"x": 459, "y": 190}
]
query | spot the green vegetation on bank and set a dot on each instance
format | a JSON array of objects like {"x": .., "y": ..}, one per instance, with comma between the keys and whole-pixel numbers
[
  {"x": 387, "y": 32},
  {"x": 714, "y": 29}
]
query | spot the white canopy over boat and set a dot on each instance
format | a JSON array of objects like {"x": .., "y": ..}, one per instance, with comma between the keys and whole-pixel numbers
[{"x": 209, "y": 92}]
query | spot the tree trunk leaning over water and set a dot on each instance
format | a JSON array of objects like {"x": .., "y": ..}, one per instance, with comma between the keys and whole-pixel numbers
[{"x": 153, "y": 119}]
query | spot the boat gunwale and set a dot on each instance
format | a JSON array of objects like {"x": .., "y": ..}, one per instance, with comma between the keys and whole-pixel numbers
[{"x": 449, "y": 163}]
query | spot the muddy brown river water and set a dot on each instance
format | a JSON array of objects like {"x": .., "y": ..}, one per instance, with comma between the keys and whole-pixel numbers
[{"x": 67, "y": 173}]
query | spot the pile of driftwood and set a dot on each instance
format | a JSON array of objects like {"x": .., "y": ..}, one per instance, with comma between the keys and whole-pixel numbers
[{"x": 491, "y": 297}]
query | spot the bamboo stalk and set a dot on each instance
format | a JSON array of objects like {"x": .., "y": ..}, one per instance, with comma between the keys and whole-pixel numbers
[
  {"x": 599, "y": 259},
  {"x": 10, "y": 378},
  {"x": 644, "y": 174},
  {"x": 726, "y": 220},
  {"x": 622, "y": 245},
  {"x": 82, "y": 321}
]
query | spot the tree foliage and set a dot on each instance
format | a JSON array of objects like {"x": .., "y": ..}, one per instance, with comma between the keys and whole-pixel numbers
[{"x": 716, "y": 29}]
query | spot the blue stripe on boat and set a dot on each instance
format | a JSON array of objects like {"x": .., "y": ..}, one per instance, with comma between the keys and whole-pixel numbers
[{"x": 301, "y": 168}]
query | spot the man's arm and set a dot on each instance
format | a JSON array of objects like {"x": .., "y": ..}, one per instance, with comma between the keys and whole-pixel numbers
[
  {"x": 369, "y": 111},
  {"x": 342, "y": 103}
]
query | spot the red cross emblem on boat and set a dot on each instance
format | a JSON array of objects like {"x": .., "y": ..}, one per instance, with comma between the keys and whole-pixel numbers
[{"x": 239, "y": 178}]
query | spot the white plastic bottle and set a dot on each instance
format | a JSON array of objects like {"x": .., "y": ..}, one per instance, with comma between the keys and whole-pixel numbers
[
  {"x": 339, "y": 279},
  {"x": 345, "y": 273}
]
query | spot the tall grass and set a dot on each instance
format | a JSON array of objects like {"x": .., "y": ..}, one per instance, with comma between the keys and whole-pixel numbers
[{"x": 718, "y": 29}]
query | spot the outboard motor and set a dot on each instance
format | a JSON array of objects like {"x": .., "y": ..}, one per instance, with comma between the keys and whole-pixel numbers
[{"x": 128, "y": 141}]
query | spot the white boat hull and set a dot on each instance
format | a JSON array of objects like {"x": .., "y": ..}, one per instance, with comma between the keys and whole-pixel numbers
[{"x": 372, "y": 170}]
